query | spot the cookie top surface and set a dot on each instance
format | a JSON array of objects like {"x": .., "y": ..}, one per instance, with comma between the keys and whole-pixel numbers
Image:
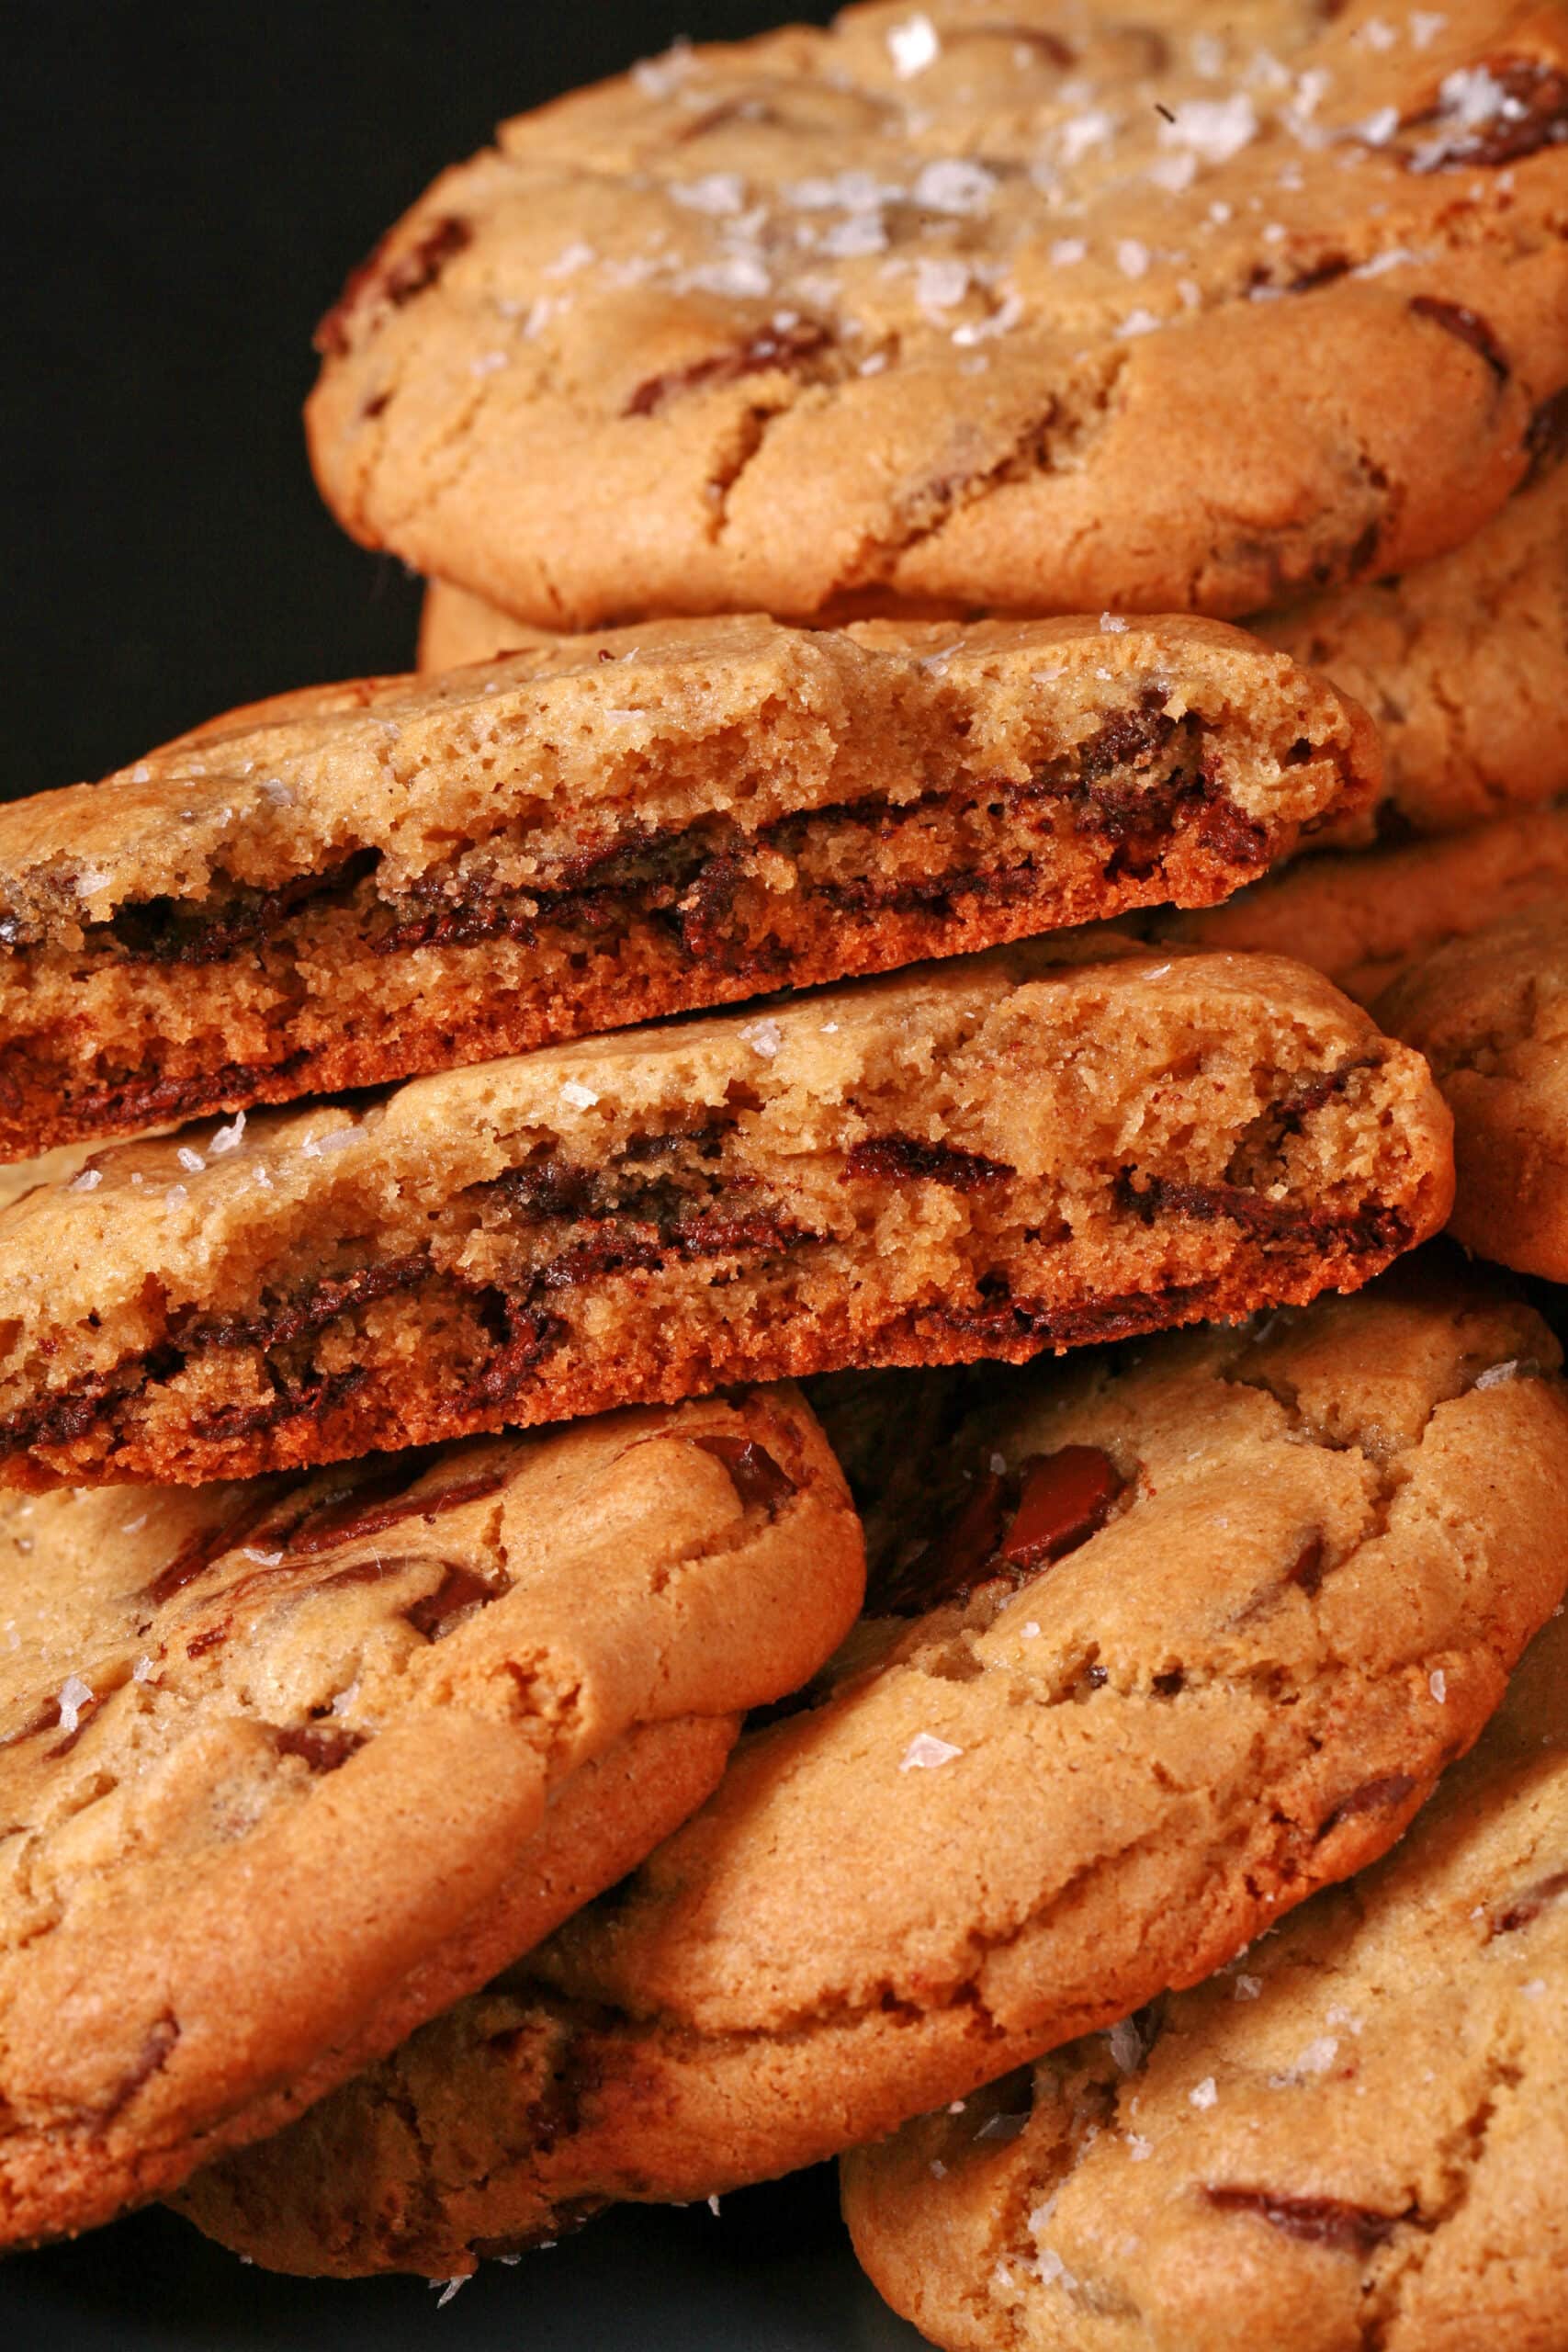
[
  {"x": 1358, "y": 2132},
  {"x": 1118, "y": 1138},
  {"x": 268, "y": 1750},
  {"x": 1490, "y": 1013},
  {"x": 552, "y": 748},
  {"x": 1050, "y": 309},
  {"x": 1474, "y": 720},
  {"x": 1361, "y": 917},
  {"x": 1184, "y": 1630}
]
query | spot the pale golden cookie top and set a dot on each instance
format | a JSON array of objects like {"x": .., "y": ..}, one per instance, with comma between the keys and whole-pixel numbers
[
  {"x": 1359, "y": 2125},
  {"x": 1027, "y": 306},
  {"x": 266, "y": 1749}
]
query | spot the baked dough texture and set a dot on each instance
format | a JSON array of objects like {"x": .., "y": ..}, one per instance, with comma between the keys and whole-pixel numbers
[
  {"x": 1356, "y": 2133},
  {"x": 1050, "y": 307},
  {"x": 1195, "y": 1635},
  {"x": 288, "y": 1767}
]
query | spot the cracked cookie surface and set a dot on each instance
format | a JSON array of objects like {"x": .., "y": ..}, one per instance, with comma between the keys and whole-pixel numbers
[
  {"x": 1490, "y": 1013},
  {"x": 286, "y": 1767},
  {"x": 1463, "y": 662},
  {"x": 352, "y": 884},
  {"x": 1354, "y": 2135},
  {"x": 1041, "y": 307},
  {"x": 1175, "y": 1656},
  {"x": 1070, "y": 1139},
  {"x": 1360, "y": 916}
]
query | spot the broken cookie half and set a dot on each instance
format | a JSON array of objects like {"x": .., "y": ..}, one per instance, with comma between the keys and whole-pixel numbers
[
  {"x": 1060, "y": 1141},
  {"x": 354, "y": 883}
]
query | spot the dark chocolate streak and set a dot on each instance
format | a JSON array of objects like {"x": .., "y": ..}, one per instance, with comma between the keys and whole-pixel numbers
[
  {"x": 1317, "y": 2220},
  {"x": 1370, "y": 1229},
  {"x": 392, "y": 282},
  {"x": 323, "y": 1746},
  {"x": 904, "y": 1159},
  {"x": 1468, "y": 327},
  {"x": 162, "y": 2036},
  {"x": 791, "y": 349},
  {"x": 1373, "y": 1796},
  {"x": 685, "y": 880},
  {"x": 1527, "y": 1906},
  {"x": 651, "y": 1224}
]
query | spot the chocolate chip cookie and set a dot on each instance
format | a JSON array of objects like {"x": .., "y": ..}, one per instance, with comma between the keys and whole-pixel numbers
[
  {"x": 1490, "y": 1013},
  {"x": 1463, "y": 664},
  {"x": 352, "y": 884},
  {"x": 1060, "y": 1141},
  {"x": 288, "y": 1767},
  {"x": 1175, "y": 1637},
  {"x": 1361, "y": 917},
  {"x": 1463, "y": 660},
  {"x": 1358, "y": 2133},
  {"x": 1036, "y": 307}
]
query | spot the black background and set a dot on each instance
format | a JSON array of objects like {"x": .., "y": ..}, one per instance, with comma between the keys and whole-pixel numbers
[{"x": 189, "y": 187}]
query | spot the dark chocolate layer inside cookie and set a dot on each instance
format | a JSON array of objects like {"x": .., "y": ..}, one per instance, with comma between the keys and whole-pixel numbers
[
  {"x": 502, "y": 1288},
  {"x": 634, "y": 924}
]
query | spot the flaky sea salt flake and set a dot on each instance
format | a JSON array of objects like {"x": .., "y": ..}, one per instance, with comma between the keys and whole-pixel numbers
[
  {"x": 1205, "y": 2094},
  {"x": 926, "y": 1752},
  {"x": 580, "y": 1097},
  {"x": 74, "y": 1694},
  {"x": 913, "y": 45},
  {"x": 227, "y": 1139}
]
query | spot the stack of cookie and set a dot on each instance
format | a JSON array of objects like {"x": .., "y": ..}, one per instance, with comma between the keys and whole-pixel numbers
[{"x": 407, "y": 1496}]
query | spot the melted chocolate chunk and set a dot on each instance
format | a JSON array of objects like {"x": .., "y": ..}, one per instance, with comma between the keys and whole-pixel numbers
[
  {"x": 1532, "y": 112},
  {"x": 393, "y": 283},
  {"x": 1317, "y": 2220},
  {"x": 1455, "y": 320},
  {"x": 904, "y": 1158},
  {"x": 789, "y": 348},
  {"x": 459, "y": 1593},
  {"x": 322, "y": 1745},
  {"x": 1307, "y": 1572},
  {"x": 757, "y": 1478},
  {"x": 1010, "y": 1525},
  {"x": 1066, "y": 1498},
  {"x": 1373, "y": 1796},
  {"x": 1528, "y": 1905}
]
